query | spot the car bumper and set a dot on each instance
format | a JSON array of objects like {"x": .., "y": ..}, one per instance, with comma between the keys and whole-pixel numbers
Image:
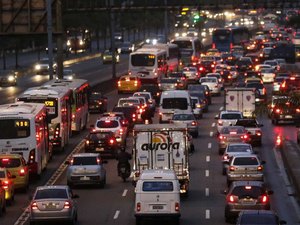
[
  {"x": 234, "y": 210},
  {"x": 85, "y": 180},
  {"x": 62, "y": 215},
  {"x": 157, "y": 215},
  {"x": 245, "y": 177}
]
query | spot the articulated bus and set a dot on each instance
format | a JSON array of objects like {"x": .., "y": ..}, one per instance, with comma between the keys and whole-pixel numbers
[
  {"x": 80, "y": 90},
  {"x": 150, "y": 64},
  {"x": 58, "y": 102},
  {"x": 172, "y": 54},
  {"x": 24, "y": 131},
  {"x": 224, "y": 39}
]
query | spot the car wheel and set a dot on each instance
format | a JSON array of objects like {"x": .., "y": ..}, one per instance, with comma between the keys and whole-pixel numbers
[
  {"x": 224, "y": 171},
  {"x": 220, "y": 151},
  {"x": 195, "y": 135},
  {"x": 32, "y": 223},
  {"x": 138, "y": 221}
]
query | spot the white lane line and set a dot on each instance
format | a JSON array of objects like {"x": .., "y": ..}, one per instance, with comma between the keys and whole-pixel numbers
[
  {"x": 207, "y": 158},
  {"x": 221, "y": 108},
  {"x": 211, "y": 133},
  {"x": 206, "y": 192},
  {"x": 116, "y": 214},
  {"x": 207, "y": 173},
  {"x": 124, "y": 193},
  {"x": 213, "y": 125},
  {"x": 207, "y": 214},
  {"x": 209, "y": 145}
]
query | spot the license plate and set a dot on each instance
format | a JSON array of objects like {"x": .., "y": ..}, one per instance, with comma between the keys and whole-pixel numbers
[
  {"x": 84, "y": 178},
  {"x": 51, "y": 206},
  {"x": 157, "y": 207},
  {"x": 123, "y": 170},
  {"x": 288, "y": 117},
  {"x": 100, "y": 149}
]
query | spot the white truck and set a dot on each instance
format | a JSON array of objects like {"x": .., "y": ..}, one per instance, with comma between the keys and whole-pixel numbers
[
  {"x": 241, "y": 99},
  {"x": 162, "y": 146}
]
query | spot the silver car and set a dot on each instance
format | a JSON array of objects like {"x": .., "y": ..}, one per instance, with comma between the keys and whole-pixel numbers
[
  {"x": 188, "y": 119},
  {"x": 85, "y": 169},
  {"x": 53, "y": 203}
]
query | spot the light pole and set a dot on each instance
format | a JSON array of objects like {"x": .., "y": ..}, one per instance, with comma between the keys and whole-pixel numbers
[{"x": 49, "y": 33}]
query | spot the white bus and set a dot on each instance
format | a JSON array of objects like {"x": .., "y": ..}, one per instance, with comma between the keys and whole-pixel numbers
[
  {"x": 189, "y": 49},
  {"x": 80, "y": 110},
  {"x": 24, "y": 130},
  {"x": 58, "y": 103},
  {"x": 149, "y": 64},
  {"x": 172, "y": 54}
]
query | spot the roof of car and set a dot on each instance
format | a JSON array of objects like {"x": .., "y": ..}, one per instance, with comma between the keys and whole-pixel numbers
[
  {"x": 85, "y": 154},
  {"x": 52, "y": 187},
  {"x": 246, "y": 183}
]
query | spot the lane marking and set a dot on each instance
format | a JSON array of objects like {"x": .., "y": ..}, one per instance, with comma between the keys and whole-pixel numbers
[
  {"x": 207, "y": 173},
  {"x": 213, "y": 125},
  {"x": 116, "y": 214},
  {"x": 221, "y": 108},
  {"x": 209, "y": 145},
  {"x": 124, "y": 192},
  {"x": 206, "y": 192},
  {"x": 211, "y": 133},
  {"x": 207, "y": 158},
  {"x": 207, "y": 214}
]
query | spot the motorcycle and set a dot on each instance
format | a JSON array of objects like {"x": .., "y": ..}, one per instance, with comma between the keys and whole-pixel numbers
[{"x": 124, "y": 171}]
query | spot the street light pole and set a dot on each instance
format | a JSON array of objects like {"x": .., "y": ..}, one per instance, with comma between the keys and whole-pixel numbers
[
  {"x": 49, "y": 33},
  {"x": 112, "y": 38}
]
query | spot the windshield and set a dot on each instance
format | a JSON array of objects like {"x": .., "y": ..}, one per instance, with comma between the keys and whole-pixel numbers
[
  {"x": 175, "y": 103},
  {"x": 142, "y": 60},
  {"x": 231, "y": 116},
  {"x": 239, "y": 148},
  {"x": 84, "y": 161},
  {"x": 107, "y": 124},
  {"x": 14, "y": 128},
  {"x": 244, "y": 161},
  {"x": 157, "y": 186}
]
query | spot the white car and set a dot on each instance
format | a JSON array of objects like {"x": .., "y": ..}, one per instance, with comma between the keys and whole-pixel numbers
[
  {"x": 191, "y": 74},
  {"x": 273, "y": 63},
  {"x": 227, "y": 118},
  {"x": 218, "y": 76},
  {"x": 262, "y": 66},
  {"x": 212, "y": 83},
  {"x": 267, "y": 75},
  {"x": 197, "y": 108}
]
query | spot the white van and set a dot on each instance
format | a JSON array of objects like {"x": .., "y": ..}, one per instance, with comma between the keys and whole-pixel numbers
[
  {"x": 171, "y": 101},
  {"x": 157, "y": 196}
]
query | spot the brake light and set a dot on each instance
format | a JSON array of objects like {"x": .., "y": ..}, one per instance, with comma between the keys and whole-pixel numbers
[
  {"x": 264, "y": 91},
  {"x": 244, "y": 136},
  {"x": 226, "y": 157},
  {"x": 111, "y": 141},
  {"x": 57, "y": 131},
  {"x": 177, "y": 206},
  {"x": 194, "y": 123},
  {"x": 135, "y": 83},
  {"x": 283, "y": 84},
  {"x": 297, "y": 110},
  {"x": 98, "y": 161},
  {"x": 231, "y": 45},
  {"x": 278, "y": 111},
  {"x": 221, "y": 137},
  {"x": 121, "y": 131},
  {"x": 5, "y": 160},
  {"x": 22, "y": 172},
  {"x": 231, "y": 168},
  {"x": 67, "y": 205},
  {"x": 5, "y": 184},
  {"x": 34, "y": 206},
  {"x": 258, "y": 132},
  {"x": 201, "y": 68},
  {"x": 138, "y": 207},
  {"x": 213, "y": 45},
  {"x": 229, "y": 77},
  {"x": 259, "y": 168},
  {"x": 119, "y": 83},
  {"x": 232, "y": 198},
  {"x": 264, "y": 199}
]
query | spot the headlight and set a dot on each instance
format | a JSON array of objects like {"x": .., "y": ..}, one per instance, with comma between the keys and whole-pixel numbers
[
  {"x": 68, "y": 43},
  {"x": 37, "y": 67},
  {"x": 104, "y": 57},
  {"x": 11, "y": 78},
  {"x": 81, "y": 42}
]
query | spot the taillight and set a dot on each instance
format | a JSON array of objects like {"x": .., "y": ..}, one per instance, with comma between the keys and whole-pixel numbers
[
  {"x": 201, "y": 68},
  {"x": 34, "y": 206},
  {"x": 278, "y": 111},
  {"x": 258, "y": 133},
  {"x": 135, "y": 83},
  {"x": 194, "y": 123},
  {"x": 226, "y": 157},
  {"x": 22, "y": 172},
  {"x": 67, "y": 205},
  {"x": 119, "y": 83},
  {"x": 138, "y": 207},
  {"x": 213, "y": 45},
  {"x": 121, "y": 131},
  {"x": 221, "y": 137},
  {"x": 259, "y": 168},
  {"x": 264, "y": 199},
  {"x": 220, "y": 123},
  {"x": 57, "y": 131},
  {"x": 244, "y": 136},
  {"x": 5, "y": 184},
  {"x": 231, "y": 168},
  {"x": 177, "y": 206},
  {"x": 264, "y": 91},
  {"x": 111, "y": 141},
  {"x": 232, "y": 198}
]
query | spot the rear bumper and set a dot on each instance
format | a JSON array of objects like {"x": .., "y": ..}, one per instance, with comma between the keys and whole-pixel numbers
[{"x": 157, "y": 215}]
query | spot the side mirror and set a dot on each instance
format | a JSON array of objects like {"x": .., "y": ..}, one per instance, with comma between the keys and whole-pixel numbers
[
  {"x": 75, "y": 196},
  {"x": 67, "y": 162},
  {"x": 104, "y": 161},
  {"x": 217, "y": 117},
  {"x": 270, "y": 192},
  {"x": 263, "y": 162},
  {"x": 260, "y": 125}
]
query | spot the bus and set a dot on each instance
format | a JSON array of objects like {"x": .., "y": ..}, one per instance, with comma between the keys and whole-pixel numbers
[
  {"x": 150, "y": 64},
  {"x": 224, "y": 39},
  {"x": 58, "y": 102},
  {"x": 24, "y": 129},
  {"x": 172, "y": 54},
  {"x": 80, "y": 90},
  {"x": 189, "y": 49}
]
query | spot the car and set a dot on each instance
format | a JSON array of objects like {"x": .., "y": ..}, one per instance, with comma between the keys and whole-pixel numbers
[
  {"x": 197, "y": 107},
  {"x": 273, "y": 63},
  {"x": 278, "y": 80},
  {"x": 227, "y": 117},
  {"x": 7, "y": 180},
  {"x": 219, "y": 77},
  {"x": 188, "y": 119},
  {"x": 42, "y": 66},
  {"x": 153, "y": 89},
  {"x": 150, "y": 100},
  {"x": 113, "y": 124},
  {"x": 68, "y": 74},
  {"x": 265, "y": 53},
  {"x": 244, "y": 64},
  {"x": 107, "y": 57},
  {"x": 274, "y": 100},
  {"x": 182, "y": 79},
  {"x": 197, "y": 89},
  {"x": 8, "y": 78},
  {"x": 261, "y": 90},
  {"x": 290, "y": 85},
  {"x": 231, "y": 134},
  {"x": 213, "y": 85},
  {"x": 203, "y": 103},
  {"x": 261, "y": 66},
  {"x": 103, "y": 142},
  {"x": 255, "y": 217},
  {"x": 122, "y": 116},
  {"x": 86, "y": 169},
  {"x": 2, "y": 199},
  {"x": 128, "y": 84},
  {"x": 126, "y": 47},
  {"x": 246, "y": 195},
  {"x": 245, "y": 168},
  {"x": 234, "y": 149},
  {"x": 191, "y": 74},
  {"x": 53, "y": 203},
  {"x": 167, "y": 84},
  {"x": 253, "y": 128},
  {"x": 130, "y": 112},
  {"x": 206, "y": 65},
  {"x": 17, "y": 166},
  {"x": 97, "y": 102}
]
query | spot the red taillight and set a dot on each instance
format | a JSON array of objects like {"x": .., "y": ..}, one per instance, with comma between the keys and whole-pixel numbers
[
  {"x": 231, "y": 168},
  {"x": 22, "y": 172},
  {"x": 119, "y": 83},
  {"x": 221, "y": 137},
  {"x": 121, "y": 131},
  {"x": 177, "y": 206},
  {"x": 232, "y": 198},
  {"x": 31, "y": 158},
  {"x": 201, "y": 68},
  {"x": 67, "y": 205},
  {"x": 264, "y": 199},
  {"x": 220, "y": 123},
  {"x": 5, "y": 160},
  {"x": 264, "y": 91},
  {"x": 34, "y": 206},
  {"x": 138, "y": 207},
  {"x": 278, "y": 111},
  {"x": 111, "y": 141},
  {"x": 259, "y": 168},
  {"x": 213, "y": 45},
  {"x": 244, "y": 136},
  {"x": 231, "y": 45},
  {"x": 226, "y": 157},
  {"x": 194, "y": 123},
  {"x": 5, "y": 184},
  {"x": 258, "y": 133}
]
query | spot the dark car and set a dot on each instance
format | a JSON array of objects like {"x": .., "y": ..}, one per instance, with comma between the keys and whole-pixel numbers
[
  {"x": 97, "y": 102},
  {"x": 246, "y": 195},
  {"x": 261, "y": 94},
  {"x": 130, "y": 113},
  {"x": 253, "y": 128},
  {"x": 103, "y": 142},
  {"x": 8, "y": 78},
  {"x": 153, "y": 89},
  {"x": 259, "y": 217},
  {"x": 195, "y": 89},
  {"x": 244, "y": 64},
  {"x": 206, "y": 66},
  {"x": 289, "y": 85}
]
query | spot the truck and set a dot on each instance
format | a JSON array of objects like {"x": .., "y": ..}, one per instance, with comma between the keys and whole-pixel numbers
[
  {"x": 284, "y": 50},
  {"x": 162, "y": 146},
  {"x": 241, "y": 99}
]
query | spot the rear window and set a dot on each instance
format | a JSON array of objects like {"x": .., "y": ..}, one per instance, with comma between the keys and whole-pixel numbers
[
  {"x": 256, "y": 85},
  {"x": 258, "y": 219},
  {"x": 92, "y": 160},
  {"x": 128, "y": 102},
  {"x": 195, "y": 88},
  {"x": 51, "y": 193},
  {"x": 247, "y": 123},
  {"x": 208, "y": 80},
  {"x": 248, "y": 191},
  {"x": 245, "y": 161},
  {"x": 168, "y": 81},
  {"x": 2, "y": 174},
  {"x": 99, "y": 135},
  {"x": 231, "y": 116},
  {"x": 239, "y": 148},
  {"x": 107, "y": 124},
  {"x": 232, "y": 130},
  {"x": 183, "y": 117},
  {"x": 175, "y": 103},
  {"x": 10, "y": 163},
  {"x": 160, "y": 186}
]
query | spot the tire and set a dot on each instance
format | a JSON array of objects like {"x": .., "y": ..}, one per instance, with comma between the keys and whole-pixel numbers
[
  {"x": 176, "y": 221},
  {"x": 220, "y": 151},
  {"x": 138, "y": 221},
  {"x": 32, "y": 223},
  {"x": 224, "y": 171}
]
